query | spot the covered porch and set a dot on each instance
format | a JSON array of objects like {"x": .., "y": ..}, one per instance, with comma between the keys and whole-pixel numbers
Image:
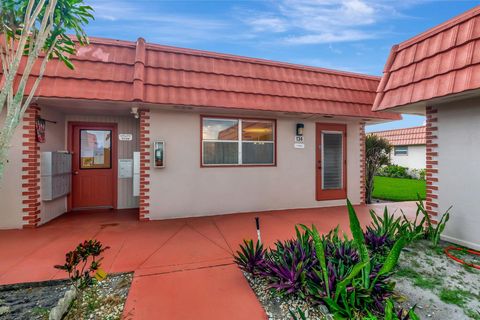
[{"x": 177, "y": 263}]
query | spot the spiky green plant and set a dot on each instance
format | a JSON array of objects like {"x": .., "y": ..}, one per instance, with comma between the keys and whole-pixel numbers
[
  {"x": 433, "y": 231},
  {"x": 359, "y": 239}
]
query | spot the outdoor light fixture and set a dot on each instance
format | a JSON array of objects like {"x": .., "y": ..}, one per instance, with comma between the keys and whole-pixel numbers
[
  {"x": 134, "y": 111},
  {"x": 300, "y": 127}
]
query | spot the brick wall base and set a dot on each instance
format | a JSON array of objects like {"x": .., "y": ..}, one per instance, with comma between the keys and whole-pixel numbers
[
  {"x": 431, "y": 201},
  {"x": 144, "y": 213},
  {"x": 30, "y": 170},
  {"x": 362, "y": 163}
]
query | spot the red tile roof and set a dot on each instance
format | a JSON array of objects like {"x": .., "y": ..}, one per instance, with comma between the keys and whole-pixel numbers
[
  {"x": 149, "y": 73},
  {"x": 441, "y": 61},
  {"x": 404, "y": 137}
]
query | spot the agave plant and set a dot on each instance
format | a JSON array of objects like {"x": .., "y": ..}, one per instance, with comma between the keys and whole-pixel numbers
[{"x": 251, "y": 257}]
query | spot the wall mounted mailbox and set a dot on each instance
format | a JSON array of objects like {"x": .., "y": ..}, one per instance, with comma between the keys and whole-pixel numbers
[
  {"x": 56, "y": 171},
  {"x": 159, "y": 154}
]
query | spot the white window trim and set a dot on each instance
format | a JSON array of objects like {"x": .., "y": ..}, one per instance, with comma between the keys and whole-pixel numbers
[{"x": 240, "y": 142}]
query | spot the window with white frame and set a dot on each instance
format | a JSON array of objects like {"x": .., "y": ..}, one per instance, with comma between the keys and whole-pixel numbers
[
  {"x": 236, "y": 141},
  {"x": 400, "y": 150}
]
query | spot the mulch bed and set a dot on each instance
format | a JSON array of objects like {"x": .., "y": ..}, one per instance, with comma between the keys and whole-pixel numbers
[
  {"x": 33, "y": 301},
  {"x": 30, "y": 301}
]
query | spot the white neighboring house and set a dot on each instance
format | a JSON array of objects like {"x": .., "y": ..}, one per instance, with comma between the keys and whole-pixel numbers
[
  {"x": 409, "y": 146},
  {"x": 437, "y": 74}
]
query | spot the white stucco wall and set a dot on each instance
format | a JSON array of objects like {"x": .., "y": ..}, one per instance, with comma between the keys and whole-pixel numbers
[
  {"x": 11, "y": 184},
  {"x": 459, "y": 170},
  {"x": 184, "y": 189},
  {"x": 55, "y": 141},
  {"x": 414, "y": 160}
]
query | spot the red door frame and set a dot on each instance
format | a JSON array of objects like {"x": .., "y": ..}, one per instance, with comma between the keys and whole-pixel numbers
[
  {"x": 337, "y": 193},
  {"x": 92, "y": 125}
]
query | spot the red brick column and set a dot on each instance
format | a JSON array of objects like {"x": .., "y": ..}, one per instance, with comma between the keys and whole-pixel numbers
[
  {"x": 145, "y": 157},
  {"x": 362, "y": 162},
  {"x": 30, "y": 170},
  {"x": 431, "y": 202}
]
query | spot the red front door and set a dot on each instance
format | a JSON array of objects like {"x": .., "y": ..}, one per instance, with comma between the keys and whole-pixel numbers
[
  {"x": 94, "y": 165},
  {"x": 331, "y": 160}
]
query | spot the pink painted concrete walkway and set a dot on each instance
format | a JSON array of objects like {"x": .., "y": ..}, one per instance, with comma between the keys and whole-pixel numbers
[{"x": 183, "y": 267}]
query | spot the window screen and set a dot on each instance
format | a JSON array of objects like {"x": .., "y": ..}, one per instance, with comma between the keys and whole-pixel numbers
[
  {"x": 400, "y": 150},
  {"x": 238, "y": 142},
  {"x": 332, "y": 160}
]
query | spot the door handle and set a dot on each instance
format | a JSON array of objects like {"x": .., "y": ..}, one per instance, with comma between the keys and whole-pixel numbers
[{"x": 75, "y": 172}]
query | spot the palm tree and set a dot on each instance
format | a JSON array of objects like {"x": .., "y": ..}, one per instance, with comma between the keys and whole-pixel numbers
[{"x": 377, "y": 154}]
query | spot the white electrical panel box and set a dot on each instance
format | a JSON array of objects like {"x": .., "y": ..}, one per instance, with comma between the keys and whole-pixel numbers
[
  {"x": 56, "y": 169},
  {"x": 136, "y": 174},
  {"x": 125, "y": 168}
]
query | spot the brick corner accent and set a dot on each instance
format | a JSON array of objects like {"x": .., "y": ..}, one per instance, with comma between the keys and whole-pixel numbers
[
  {"x": 144, "y": 210},
  {"x": 362, "y": 163},
  {"x": 30, "y": 169},
  {"x": 431, "y": 202}
]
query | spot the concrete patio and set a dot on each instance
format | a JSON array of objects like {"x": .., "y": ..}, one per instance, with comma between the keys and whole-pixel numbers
[{"x": 183, "y": 267}]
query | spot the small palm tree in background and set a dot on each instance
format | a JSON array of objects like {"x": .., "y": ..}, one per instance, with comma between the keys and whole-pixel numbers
[{"x": 377, "y": 154}]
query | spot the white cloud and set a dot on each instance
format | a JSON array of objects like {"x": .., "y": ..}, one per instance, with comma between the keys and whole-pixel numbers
[
  {"x": 267, "y": 23},
  {"x": 328, "y": 37},
  {"x": 135, "y": 17},
  {"x": 322, "y": 21}
]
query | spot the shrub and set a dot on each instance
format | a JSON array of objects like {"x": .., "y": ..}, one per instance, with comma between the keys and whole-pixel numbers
[
  {"x": 394, "y": 171},
  {"x": 82, "y": 264},
  {"x": 289, "y": 263},
  {"x": 433, "y": 231},
  {"x": 250, "y": 258},
  {"x": 343, "y": 274},
  {"x": 418, "y": 174}
]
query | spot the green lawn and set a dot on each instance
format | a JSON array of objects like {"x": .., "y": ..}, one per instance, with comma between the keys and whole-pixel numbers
[{"x": 396, "y": 189}]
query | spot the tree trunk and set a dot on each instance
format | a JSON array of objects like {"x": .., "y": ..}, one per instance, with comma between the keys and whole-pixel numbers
[
  {"x": 3, "y": 160},
  {"x": 6, "y": 134},
  {"x": 369, "y": 185}
]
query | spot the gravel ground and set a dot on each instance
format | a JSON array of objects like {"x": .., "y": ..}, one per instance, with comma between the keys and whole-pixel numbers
[
  {"x": 440, "y": 287},
  {"x": 33, "y": 301},
  {"x": 104, "y": 300},
  {"x": 278, "y": 309},
  {"x": 30, "y": 301}
]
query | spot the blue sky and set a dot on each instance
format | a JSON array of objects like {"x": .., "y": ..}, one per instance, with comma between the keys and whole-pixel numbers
[{"x": 351, "y": 35}]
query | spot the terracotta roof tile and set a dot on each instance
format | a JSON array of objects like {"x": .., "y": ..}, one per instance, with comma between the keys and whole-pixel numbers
[
  {"x": 404, "y": 137},
  {"x": 436, "y": 63},
  {"x": 154, "y": 74}
]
